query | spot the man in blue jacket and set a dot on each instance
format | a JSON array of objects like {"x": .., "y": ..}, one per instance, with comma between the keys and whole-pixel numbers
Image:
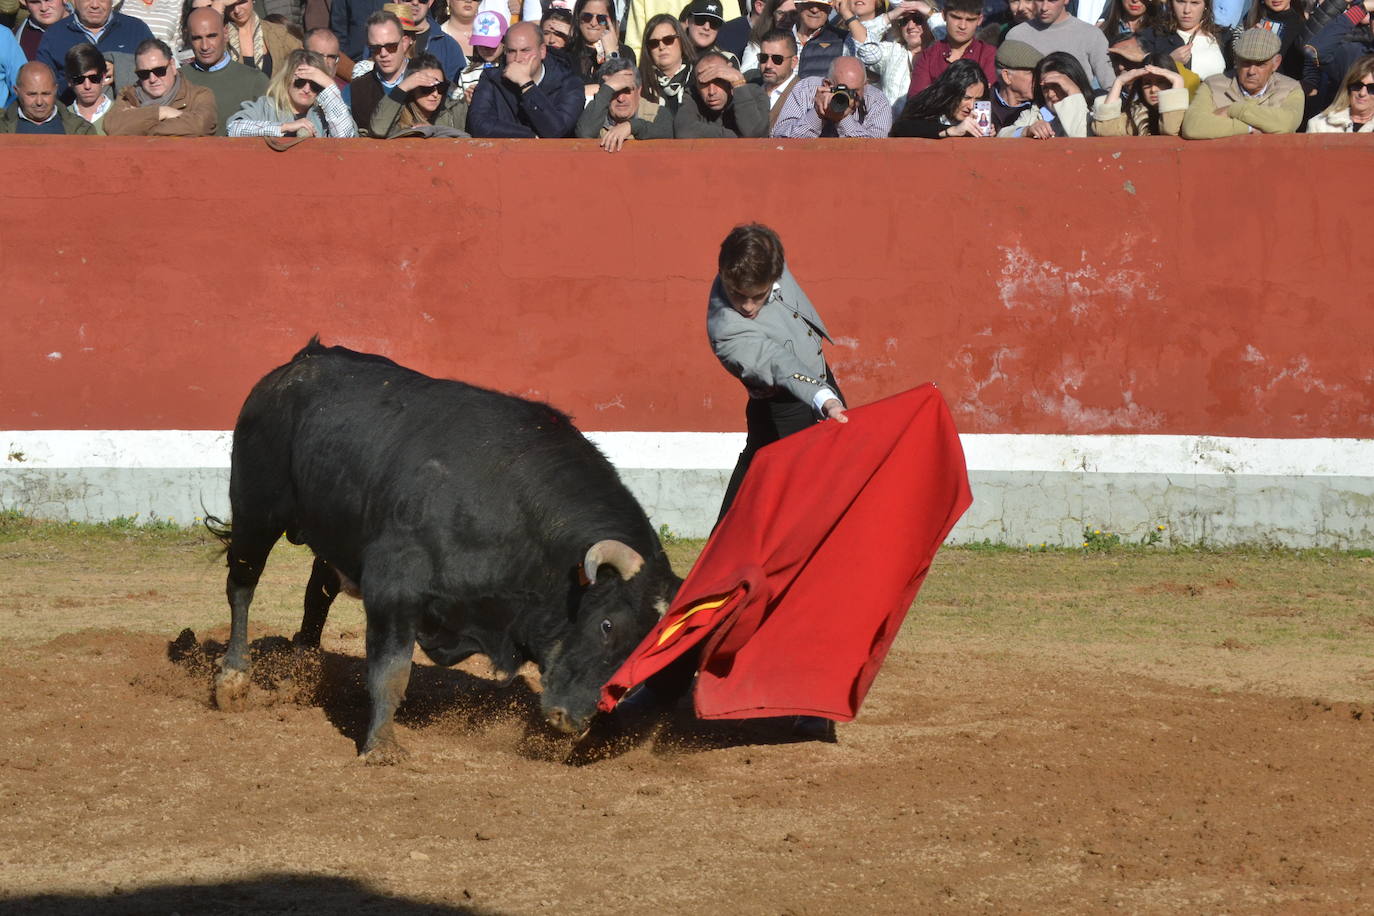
[
  {"x": 114, "y": 35},
  {"x": 533, "y": 95}
]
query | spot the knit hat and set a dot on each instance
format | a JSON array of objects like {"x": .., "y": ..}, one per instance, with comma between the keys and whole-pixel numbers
[
  {"x": 1256, "y": 45},
  {"x": 488, "y": 29},
  {"x": 1017, "y": 55},
  {"x": 402, "y": 12}
]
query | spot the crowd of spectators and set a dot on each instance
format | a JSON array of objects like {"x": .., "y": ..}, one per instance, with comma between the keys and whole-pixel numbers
[{"x": 625, "y": 70}]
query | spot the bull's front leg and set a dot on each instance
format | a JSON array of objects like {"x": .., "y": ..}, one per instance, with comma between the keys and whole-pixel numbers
[
  {"x": 246, "y": 557},
  {"x": 390, "y": 645}
]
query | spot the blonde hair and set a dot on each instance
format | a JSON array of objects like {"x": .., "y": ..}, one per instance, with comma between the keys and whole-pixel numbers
[
  {"x": 278, "y": 90},
  {"x": 1357, "y": 72}
]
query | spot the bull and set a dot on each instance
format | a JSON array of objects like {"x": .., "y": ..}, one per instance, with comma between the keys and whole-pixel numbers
[{"x": 468, "y": 521}]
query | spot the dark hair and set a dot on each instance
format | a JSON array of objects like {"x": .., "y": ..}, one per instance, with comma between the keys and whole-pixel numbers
[
  {"x": 382, "y": 17},
  {"x": 1208, "y": 25},
  {"x": 780, "y": 35},
  {"x": 1065, "y": 63},
  {"x": 81, "y": 58},
  {"x": 1133, "y": 104},
  {"x": 766, "y": 22},
  {"x": 427, "y": 61},
  {"x": 1116, "y": 16},
  {"x": 1259, "y": 12},
  {"x": 712, "y": 55},
  {"x": 971, "y": 7},
  {"x": 750, "y": 256},
  {"x": 153, "y": 44},
  {"x": 943, "y": 96},
  {"x": 581, "y": 54},
  {"x": 648, "y": 77},
  {"x": 557, "y": 14}
]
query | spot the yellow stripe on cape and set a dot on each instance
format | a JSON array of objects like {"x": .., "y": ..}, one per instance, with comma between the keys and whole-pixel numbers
[{"x": 708, "y": 605}]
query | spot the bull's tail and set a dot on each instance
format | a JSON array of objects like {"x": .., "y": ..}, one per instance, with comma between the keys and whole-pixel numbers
[{"x": 222, "y": 530}]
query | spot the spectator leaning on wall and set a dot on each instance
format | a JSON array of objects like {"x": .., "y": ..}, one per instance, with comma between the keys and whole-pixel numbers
[
  {"x": 619, "y": 111},
  {"x": 1256, "y": 99},
  {"x": 841, "y": 104},
  {"x": 1015, "y": 87},
  {"x": 721, "y": 103},
  {"x": 161, "y": 103},
  {"x": 36, "y": 110},
  {"x": 211, "y": 66},
  {"x": 535, "y": 94}
]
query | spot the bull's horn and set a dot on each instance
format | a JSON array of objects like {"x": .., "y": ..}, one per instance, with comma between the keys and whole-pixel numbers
[{"x": 623, "y": 557}]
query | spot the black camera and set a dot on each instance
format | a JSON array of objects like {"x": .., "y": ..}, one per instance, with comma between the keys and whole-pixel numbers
[{"x": 840, "y": 99}]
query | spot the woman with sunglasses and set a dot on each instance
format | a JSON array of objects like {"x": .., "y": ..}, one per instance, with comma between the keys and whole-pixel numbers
[
  {"x": 1352, "y": 111},
  {"x": 892, "y": 39},
  {"x": 594, "y": 41},
  {"x": 429, "y": 107},
  {"x": 666, "y": 66},
  {"x": 302, "y": 100}
]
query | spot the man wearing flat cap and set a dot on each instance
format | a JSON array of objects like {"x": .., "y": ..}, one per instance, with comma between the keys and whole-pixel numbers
[
  {"x": 1015, "y": 85},
  {"x": 1256, "y": 100}
]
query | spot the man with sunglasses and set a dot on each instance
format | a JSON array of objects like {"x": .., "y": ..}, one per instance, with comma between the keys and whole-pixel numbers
[
  {"x": 233, "y": 83},
  {"x": 1257, "y": 99},
  {"x": 161, "y": 103},
  {"x": 114, "y": 35},
  {"x": 35, "y": 109},
  {"x": 778, "y": 67},
  {"x": 42, "y": 15},
  {"x": 534, "y": 94},
  {"x": 388, "y": 49}
]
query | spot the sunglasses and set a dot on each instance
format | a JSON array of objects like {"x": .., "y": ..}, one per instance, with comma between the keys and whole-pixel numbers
[
  {"x": 705, "y": 22},
  {"x": 775, "y": 59},
  {"x": 1356, "y": 87},
  {"x": 391, "y": 47},
  {"x": 440, "y": 87},
  {"x": 301, "y": 82},
  {"x": 600, "y": 18},
  {"x": 93, "y": 78},
  {"x": 666, "y": 41},
  {"x": 152, "y": 71}
]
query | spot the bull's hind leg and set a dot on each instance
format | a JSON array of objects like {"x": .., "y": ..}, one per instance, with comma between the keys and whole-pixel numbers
[
  {"x": 320, "y": 593},
  {"x": 247, "y": 556}
]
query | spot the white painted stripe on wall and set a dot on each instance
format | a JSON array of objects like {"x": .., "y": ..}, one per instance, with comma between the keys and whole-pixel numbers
[{"x": 717, "y": 451}]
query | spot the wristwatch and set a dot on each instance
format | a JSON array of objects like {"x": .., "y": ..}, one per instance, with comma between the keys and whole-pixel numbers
[{"x": 527, "y": 86}]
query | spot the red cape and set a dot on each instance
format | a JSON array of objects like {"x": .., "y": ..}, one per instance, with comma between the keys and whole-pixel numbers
[{"x": 801, "y": 589}]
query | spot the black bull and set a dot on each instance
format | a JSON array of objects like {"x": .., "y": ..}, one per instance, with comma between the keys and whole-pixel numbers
[{"x": 469, "y": 521}]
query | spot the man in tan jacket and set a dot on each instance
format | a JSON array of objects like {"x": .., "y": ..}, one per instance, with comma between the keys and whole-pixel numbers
[
  {"x": 1256, "y": 99},
  {"x": 161, "y": 103}
]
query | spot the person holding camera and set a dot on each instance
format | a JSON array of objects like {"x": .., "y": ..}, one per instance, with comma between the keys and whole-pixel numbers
[{"x": 842, "y": 104}]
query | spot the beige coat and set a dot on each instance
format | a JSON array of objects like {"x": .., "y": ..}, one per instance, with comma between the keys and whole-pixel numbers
[{"x": 197, "y": 119}]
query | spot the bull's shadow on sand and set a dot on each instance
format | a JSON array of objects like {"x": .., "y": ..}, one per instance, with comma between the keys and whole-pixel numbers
[
  {"x": 466, "y": 703},
  {"x": 263, "y": 894}
]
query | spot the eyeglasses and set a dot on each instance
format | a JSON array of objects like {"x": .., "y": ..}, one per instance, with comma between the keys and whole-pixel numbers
[
  {"x": 1356, "y": 87},
  {"x": 601, "y": 18},
  {"x": 93, "y": 78},
  {"x": 333, "y": 58},
  {"x": 666, "y": 41},
  {"x": 301, "y": 83},
  {"x": 391, "y": 47},
  {"x": 440, "y": 87},
  {"x": 152, "y": 71},
  {"x": 776, "y": 59},
  {"x": 705, "y": 22}
]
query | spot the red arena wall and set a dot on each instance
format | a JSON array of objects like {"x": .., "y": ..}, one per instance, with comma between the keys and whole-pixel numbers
[{"x": 1105, "y": 286}]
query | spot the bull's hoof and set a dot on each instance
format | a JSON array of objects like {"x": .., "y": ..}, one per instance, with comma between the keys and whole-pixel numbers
[
  {"x": 384, "y": 754},
  {"x": 231, "y": 690}
]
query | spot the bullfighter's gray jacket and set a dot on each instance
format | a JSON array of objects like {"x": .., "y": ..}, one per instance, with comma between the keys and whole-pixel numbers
[{"x": 779, "y": 348}]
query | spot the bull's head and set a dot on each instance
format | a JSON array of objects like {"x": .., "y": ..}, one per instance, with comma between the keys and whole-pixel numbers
[{"x": 624, "y": 596}]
